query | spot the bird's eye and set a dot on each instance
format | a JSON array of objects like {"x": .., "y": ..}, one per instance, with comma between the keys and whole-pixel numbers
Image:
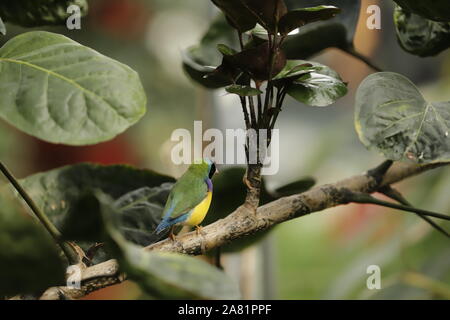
[{"x": 212, "y": 170}]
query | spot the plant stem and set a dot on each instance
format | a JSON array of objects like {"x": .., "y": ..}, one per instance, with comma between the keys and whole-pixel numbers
[
  {"x": 361, "y": 57},
  {"x": 366, "y": 198},
  {"x": 397, "y": 196},
  {"x": 70, "y": 254},
  {"x": 244, "y": 109},
  {"x": 241, "y": 42},
  {"x": 252, "y": 112},
  {"x": 260, "y": 110}
]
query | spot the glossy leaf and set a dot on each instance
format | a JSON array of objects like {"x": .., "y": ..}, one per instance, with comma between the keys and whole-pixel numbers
[
  {"x": 200, "y": 61},
  {"x": 393, "y": 118},
  {"x": 35, "y": 13},
  {"x": 244, "y": 14},
  {"x": 29, "y": 259},
  {"x": 198, "y": 70},
  {"x": 420, "y": 36},
  {"x": 319, "y": 88},
  {"x": 299, "y": 17},
  {"x": 62, "y": 92},
  {"x": 437, "y": 10},
  {"x": 237, "y": 14},
  {"x": 243, "y": 91},
  {"x": 293, "y": 70},
  {"x": 337, "y": 32}
]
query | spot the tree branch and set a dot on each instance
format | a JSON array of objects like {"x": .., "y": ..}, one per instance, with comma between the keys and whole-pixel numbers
[{"x": 241, "y": 222}]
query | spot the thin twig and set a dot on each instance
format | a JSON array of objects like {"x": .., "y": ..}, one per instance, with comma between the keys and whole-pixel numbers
[
  {"x": 368, "y": 199},
  {"x": 397, "y": 196},
  {"x": 70, "y": 254}
]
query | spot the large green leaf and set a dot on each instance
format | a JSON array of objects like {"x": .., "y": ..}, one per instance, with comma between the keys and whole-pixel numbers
[
  {"x": 59, "y": 192},
  {"x": 392, "y": 117},
  {"x": 320, "y": 87},
  {"x": 176, "y": 276},
  {"x": 60, "y": 91},
  {"x": 437, "y": 10},
  {"x": 29, "y": 260},
  {"x": 34, "y": 13},
  {"x": 162, "y": 275},
  {"x": 140, "y": 212},
  {"x": 419, "y": 35},
  {"x": 315, "y": 37}
]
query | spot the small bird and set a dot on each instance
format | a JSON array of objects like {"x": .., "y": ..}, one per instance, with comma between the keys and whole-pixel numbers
[{"x": 190, "y": 198}]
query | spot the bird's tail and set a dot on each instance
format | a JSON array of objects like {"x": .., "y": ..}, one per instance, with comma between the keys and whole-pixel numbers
[{"x": 163, "y": 225}]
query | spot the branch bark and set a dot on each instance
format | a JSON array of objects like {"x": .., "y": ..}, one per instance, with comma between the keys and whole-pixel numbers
[
  {"x": 240, "y": 223},
  {"x": 243, "y": 222}
]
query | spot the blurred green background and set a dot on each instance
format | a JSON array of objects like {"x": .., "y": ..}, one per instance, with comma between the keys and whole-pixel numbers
[{"x": 321, "y": 256}]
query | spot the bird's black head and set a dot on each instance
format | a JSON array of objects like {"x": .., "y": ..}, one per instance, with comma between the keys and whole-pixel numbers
[{"x": 212, "y": 170}]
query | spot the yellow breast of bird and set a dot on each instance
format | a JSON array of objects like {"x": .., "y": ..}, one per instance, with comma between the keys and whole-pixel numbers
[{"x": 199, "y": 212}]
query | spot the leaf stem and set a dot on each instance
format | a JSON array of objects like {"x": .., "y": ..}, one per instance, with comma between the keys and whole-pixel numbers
[
  {"x": 368, "y": 199},
  {"x": 70, "y": 254},
  {"x": 244, "y": 109},
  {"x": 252, "y": 112},
  {"x": 397, "y": 196}
]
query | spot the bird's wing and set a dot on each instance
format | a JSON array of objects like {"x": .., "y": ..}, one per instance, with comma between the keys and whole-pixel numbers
[{"x": 185, "y": 195}]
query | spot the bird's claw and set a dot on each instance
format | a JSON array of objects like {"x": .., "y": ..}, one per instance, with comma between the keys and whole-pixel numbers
[
  {"x": 199, "y": 231},
  {"x": 172, "y": 235}
]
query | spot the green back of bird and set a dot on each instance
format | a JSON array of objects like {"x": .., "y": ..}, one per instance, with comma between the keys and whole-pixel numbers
[{"x": 188, "y": 191}]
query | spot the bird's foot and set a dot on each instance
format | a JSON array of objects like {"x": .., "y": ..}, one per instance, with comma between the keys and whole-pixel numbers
[
  {"x": 172, "y": 236},
  {"x": 199, "y": 231}
]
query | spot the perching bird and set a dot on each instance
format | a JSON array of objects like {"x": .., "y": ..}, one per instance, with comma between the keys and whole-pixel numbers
[{"x": 190, "y": 198}]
